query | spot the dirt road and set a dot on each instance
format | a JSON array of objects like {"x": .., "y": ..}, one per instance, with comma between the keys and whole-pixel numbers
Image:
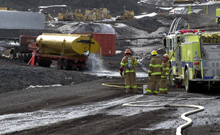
[{"x": 90, "y": 108}]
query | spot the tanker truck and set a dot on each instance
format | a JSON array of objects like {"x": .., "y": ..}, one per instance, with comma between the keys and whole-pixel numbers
[{"x": 69, "y": 50}]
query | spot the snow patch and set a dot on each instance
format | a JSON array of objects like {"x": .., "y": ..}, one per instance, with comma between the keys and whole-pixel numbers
[
  {"x": 165, "y": 8},
  {"x": 44, "y": 86},
  {"x": 52, "y": 6},
  {"x": 177, "y": 10},
  {"x": 120, "y": 25},
  {"x": 148, "y": 15}
]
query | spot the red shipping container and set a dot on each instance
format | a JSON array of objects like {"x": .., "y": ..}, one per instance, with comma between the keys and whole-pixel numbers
[{"x": 107, "y": 42}]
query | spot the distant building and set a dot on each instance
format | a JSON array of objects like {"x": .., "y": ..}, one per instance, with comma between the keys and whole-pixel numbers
[{"x": 21, "y": 20}]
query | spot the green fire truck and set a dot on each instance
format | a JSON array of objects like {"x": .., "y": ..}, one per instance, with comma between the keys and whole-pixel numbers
[
  {"x": 195, "y": 59},
  {"x": 218, "y": 15}
]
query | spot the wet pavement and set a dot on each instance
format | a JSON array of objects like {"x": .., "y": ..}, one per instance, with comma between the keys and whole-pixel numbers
[{"x": 114, "y": 107}]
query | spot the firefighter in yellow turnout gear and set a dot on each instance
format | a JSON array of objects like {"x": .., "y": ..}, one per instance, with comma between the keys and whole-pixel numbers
[
  {"x": 154, "y": 74},
  {"x": 128, "y": 69},
  {"x": 165, "y": 71}
]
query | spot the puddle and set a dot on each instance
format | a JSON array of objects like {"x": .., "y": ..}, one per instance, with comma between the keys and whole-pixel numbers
[
  {"x": 22, "y": 121},
  {"x": 163, "y": 125}
]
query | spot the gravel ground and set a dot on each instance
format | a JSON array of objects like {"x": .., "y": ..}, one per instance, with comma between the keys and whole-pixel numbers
[{"x": 24, "y": 76}]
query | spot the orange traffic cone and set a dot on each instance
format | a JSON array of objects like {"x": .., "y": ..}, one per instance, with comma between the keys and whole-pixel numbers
[
  {"x": 159, "y": 12},
  {"x": 32, "y": 59}
]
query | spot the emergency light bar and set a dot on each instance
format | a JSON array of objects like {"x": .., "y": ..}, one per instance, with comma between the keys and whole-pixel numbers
[{"x": 190, "y": 31}]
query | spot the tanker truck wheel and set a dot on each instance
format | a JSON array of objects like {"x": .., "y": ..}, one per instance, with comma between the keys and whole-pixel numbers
[
  {"x": 70, "y": 64},
  {"x": 65, "y": 64},
  {"x": 80, "y": 68},
  {"x": 60, "y": 64}
]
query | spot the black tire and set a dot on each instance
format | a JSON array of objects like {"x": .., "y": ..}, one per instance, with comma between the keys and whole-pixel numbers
[
  {"x": 60, "y": 64},
  {"x": 25, "y": 56},
  {"x": 35, "y": 60},
  {"x": 65, "y": 64},
  {"x": 22, "y": 57},
  {"x": 29, "y": 56},
  {"x": 19, "y": 57},
  {"x": 79, "y": 68},
  {"x": 190, "y": 86},
  {"x": 49, "y": 63},
  {"x": 44, "y": 63},
  {"x": 170, "y": 78},
  {"x": 70, "y": 65},
  {"x": 40, "y": 63}
]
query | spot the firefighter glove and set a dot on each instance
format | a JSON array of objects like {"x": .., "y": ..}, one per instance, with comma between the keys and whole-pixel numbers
[{"x": 121, "y": 69}]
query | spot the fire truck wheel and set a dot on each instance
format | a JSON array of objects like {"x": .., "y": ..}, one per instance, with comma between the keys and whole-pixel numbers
[
  {"x": 170, "y": 78},
  {"x": 189, "y": 85}
]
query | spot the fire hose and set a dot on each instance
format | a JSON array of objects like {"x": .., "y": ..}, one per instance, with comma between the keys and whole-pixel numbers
[
  {"x": 183, "y": 116},
  {"x": 118, "y": 85}
]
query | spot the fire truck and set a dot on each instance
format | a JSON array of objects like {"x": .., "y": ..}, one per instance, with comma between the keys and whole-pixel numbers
[
  {"x": 218, "y": 15},
  {"x": 195, "y": 59}
]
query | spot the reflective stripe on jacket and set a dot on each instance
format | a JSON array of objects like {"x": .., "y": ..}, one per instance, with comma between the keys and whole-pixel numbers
[
  {"x": 155, "y": 66},
  {"x": 165, "y": 69},
  {"x": 124, "y": 63}
]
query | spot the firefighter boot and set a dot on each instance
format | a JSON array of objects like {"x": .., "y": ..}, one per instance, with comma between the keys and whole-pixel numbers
[
  {"x": 149, "y": 92},
  {"x": 127, "y": 91},
  {"x": 155, "y": 92},
  {"x": 136, "y": 91},
  {"x": 161, "y": 92},
  {"x": 165, "y": 92}
]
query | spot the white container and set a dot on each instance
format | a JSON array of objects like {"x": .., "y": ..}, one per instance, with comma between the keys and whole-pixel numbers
[
  {"x": 21, "y": 20},
  {"x": 144, "y": 89}
]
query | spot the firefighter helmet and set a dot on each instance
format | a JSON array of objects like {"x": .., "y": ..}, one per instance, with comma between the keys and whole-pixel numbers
[
  {"x": 166, "y": 56},
  {"x": 127, "y": 51},
  {"x": 154, "y": 52}
]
